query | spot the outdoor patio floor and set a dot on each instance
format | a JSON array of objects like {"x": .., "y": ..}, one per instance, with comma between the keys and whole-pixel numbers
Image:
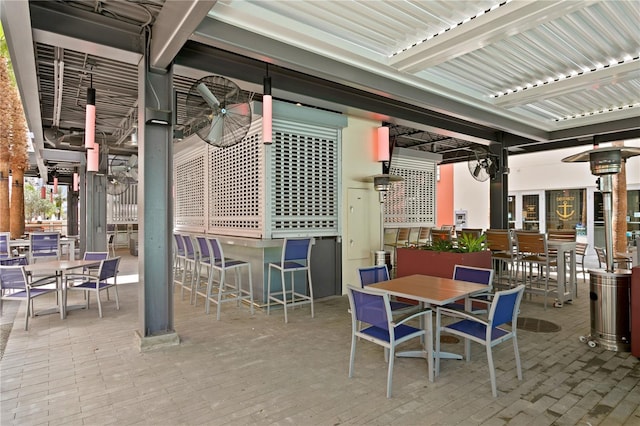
[{"x": 258, "y": 370}]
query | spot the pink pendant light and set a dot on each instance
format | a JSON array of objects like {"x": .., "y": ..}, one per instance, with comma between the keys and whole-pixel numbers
[
  {"x": 90, "y": 119},
  {"x": 76, "y": 182},
  {"x": 93, "y": 158},
  {"x": 267, "y": 111},
  {"x": 382, "y": 144},
  {"x": 55, "y": 184}
]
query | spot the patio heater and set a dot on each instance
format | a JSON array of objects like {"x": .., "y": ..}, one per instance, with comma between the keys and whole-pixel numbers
[
  {"x": 382, "y": 183},
  {"x": 608, "y": 288}
]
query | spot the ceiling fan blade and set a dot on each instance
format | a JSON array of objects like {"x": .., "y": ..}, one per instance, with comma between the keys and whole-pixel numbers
[{"x": 208, "y": 96}]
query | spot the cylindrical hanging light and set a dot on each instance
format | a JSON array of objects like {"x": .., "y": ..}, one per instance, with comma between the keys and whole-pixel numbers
[
  {"x": 93, "y": 158},
  {"x": 76, "y": 183},
  {"x": 55, "y": 184},
  {"x": 43, "y": 192},
  {"x": 267, "y": 112},
  {"x": 382, "y": 144},
  {"x": 90, "y": 119}
]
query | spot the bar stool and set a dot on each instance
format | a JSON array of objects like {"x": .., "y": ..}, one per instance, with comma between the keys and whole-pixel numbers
[
  {"x": 204, "y": 261},
  {"x": 190, "y": 259},
  {"x": 226, "y": 292},
  {"x": 296, "y": 256}
]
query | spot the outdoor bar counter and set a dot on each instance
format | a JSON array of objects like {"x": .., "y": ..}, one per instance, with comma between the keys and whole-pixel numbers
[{"x": 326, "y": 266}]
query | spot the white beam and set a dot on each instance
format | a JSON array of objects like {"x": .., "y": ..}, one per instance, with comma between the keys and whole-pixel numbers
[{"x": 507, "y": 20}]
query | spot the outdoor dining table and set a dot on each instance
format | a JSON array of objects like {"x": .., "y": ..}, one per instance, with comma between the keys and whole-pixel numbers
[
  {"x": 430, "y": 291},
  {"x": 58, "y": 268}
]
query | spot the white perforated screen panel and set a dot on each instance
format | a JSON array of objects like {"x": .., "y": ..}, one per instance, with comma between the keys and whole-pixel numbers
[
  {"x": 413, "y": 200},
  {"x": 304, "y": 163},
  {"x": 235, "y": 187},
  {"x": 190, "y": 192}
]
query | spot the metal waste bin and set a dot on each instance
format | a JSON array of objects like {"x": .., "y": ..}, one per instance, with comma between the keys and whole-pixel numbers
[
  {"x": 610, "y": 309},
  {"x": 383, "y": 258}
]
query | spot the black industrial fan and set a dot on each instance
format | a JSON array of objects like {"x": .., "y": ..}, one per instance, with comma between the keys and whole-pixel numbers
[
  {"x": 220, "y": 111},
  {"x": 482, "y": 166}
]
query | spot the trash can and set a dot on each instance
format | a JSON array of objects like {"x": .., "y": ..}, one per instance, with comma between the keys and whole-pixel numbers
[
  {"x": 610, "y": 308},
  {"x": 382, "y": 258}
]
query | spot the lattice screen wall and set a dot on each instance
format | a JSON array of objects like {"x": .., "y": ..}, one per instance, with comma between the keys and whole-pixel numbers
[
  {"x": 413, "y": 200},
  {"x": 304, "y": 162},
  {"x": 236, "y": 186},
  {"x": 189, "y": 181},
  {"x": 286, "y": 189}
]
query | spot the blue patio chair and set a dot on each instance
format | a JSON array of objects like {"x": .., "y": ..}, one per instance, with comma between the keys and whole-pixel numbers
[
  {"x": 44, "y": 245},
  {"x": 296, "y": 256},
  {"x": 203, "y": 261},
  {"x": 476, "y": 275},
  {"x": 5, "y": 249},
  {"x": 225, "y": 292},
  {"x": 371, "y": 320},
  {"x": 375, "y": 274},
  {"x": 178, "y": 254},
  {"x": 14, "y": 285},
  {"x": 189, "y": 267},
  {"x": 488, "y": 332},
  {"x": 105, "y": 278}
]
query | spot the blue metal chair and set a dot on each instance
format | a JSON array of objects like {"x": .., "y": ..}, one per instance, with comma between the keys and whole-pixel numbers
[
  {"x": 375, "y": 274},
  {"x": 44, "y": 245},
  {"x": 504, "y": 310},
  {"x": 14, "y": 285},
  {"x": 203, "y": 261},
  {"x": 296, "y": 256},
  {"x": 5, "y": 249},
  {"x": 189, "y": 267},
  {"x": 178, "y": 254},
  {"x": 226, "y": 292},
  {"x": 103, "y": 280},
  {"x": 371, "y": 320},
  {"x": 476, "y": 275}
]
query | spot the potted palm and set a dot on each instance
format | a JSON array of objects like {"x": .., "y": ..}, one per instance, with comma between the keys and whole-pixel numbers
[{"x": 439, "y": 257}]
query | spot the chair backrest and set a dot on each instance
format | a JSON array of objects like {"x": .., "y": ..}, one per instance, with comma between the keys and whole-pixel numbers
[
  {"x": 13, "y": 277},
  {"x": 203, "y": 248},
  {"x": 296, "y": 249},
  {"x": 531, "y": 242},
  {"x": 424, "y": 235},
  {"x": 499, "y": 240},
  {"x": 441, "y": 234},
  {"x": 473, "y": 275},
  {"x": 505, "y": 308},
  {"x": 179, "y": 244},
  {"x": 602, "y": 256},
  {"x": 581, "y": 249},
  {"x": 562, "y": 235},
  {"x": 45, "y": 243},
  {"x": 373, "y": 274},
  {"x": 369, "y": 307},
  {"x": 189, "y": 250},
  {"x": 95, "y": 255},
  {"x": 17, "y": 260},
  {"x": 403, "y": 235},
  {"x": 109, "y": 268},
  {"x": 215, "y": 249},
  {"x": 5, "y": 249}
]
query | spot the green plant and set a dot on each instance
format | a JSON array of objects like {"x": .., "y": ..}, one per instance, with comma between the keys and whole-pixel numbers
[
  {"x": 466, "y": 243},
  {"x": 469, "y": 243}
]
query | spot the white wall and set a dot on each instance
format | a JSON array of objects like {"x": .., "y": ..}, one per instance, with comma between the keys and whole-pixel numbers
[
  {"x": 357, "y": 163},
  {"x": 532, "y": 173}
]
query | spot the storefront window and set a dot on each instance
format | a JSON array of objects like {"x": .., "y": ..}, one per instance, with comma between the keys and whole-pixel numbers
[
  {"x": 566, "y": 210},
  {"x": 531, "y": 212}
]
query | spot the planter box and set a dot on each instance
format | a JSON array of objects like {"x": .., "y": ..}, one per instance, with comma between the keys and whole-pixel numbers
[{"x": 412, "y": 261}]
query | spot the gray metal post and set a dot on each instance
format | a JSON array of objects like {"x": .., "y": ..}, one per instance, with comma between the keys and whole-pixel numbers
[
  {"x": 96, "y": 212},
  {"x": 499, "y": 190},
  {"x": 155, "y": 207}
]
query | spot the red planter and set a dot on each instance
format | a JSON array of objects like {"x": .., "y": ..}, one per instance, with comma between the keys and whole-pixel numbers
[{"x": 438, "y": 264}]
